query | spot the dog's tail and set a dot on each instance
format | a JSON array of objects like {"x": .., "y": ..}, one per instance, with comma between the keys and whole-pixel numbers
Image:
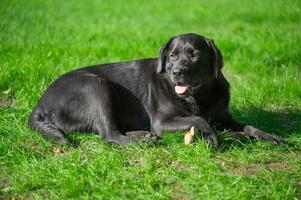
[{"x": 39, "y": 121}]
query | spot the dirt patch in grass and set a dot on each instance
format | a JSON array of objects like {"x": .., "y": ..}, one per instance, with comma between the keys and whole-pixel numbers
[
  {"x": 243, "y": 170},
  {"x": 277, "y": 165},
  {"x": 180, "y": 193},
  {"x": 6, "y": 101},
  {"x": 4, "y": 188},
  {"x": 255, "y": 169},
  {"x": 3, "y": 184},
  {"x": 281, "y": 162}
]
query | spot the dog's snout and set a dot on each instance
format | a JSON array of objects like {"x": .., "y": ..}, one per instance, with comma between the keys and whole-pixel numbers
[{"x": 177, "y": 73}]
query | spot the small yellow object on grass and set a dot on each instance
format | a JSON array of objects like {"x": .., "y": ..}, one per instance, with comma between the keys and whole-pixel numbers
[{"x": 191, "y": 135}]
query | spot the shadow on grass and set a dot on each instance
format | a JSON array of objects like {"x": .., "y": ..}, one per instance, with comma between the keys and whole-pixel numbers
[{"x": 283, "y": 123}]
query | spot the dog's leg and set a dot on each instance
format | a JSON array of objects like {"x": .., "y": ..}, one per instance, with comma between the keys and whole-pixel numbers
[
  {"x": 247, "y": 131},
  {"x": 101, "y": 112},
  {"x": 104, "y": 121},
  {"x": 185, "y": 123}
]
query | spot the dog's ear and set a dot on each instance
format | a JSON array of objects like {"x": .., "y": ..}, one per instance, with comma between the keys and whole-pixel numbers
[
  {"x": 218, "y": 60},
  {"x": 162, "y": 58}
]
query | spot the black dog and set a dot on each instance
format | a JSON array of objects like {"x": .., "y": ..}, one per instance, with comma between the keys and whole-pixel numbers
[{"x": 184, "y": 87}]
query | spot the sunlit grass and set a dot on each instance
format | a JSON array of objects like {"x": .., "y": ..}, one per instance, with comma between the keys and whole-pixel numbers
[{"x": 261, "y": 44}]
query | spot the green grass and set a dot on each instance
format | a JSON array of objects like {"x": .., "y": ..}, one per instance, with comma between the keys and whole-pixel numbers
[{"x": 261, "y": 44}]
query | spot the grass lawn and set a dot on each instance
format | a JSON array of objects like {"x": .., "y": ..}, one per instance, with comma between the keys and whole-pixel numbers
[{"x": 261, "y": 44}]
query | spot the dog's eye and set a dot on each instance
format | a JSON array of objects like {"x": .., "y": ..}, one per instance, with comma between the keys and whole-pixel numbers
[
  {"x": 172, "y": 56},
  {"x": 195, "y": 54}
]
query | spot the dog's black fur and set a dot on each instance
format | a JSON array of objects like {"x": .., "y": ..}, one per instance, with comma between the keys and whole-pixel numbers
[{"x": 113, "y": 99}]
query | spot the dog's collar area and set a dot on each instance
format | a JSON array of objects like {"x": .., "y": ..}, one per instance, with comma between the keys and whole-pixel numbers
[{"x": 196, "y": 86}]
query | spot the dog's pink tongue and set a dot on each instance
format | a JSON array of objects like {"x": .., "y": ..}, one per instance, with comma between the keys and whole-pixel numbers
[{"x": 181, "y": 89}]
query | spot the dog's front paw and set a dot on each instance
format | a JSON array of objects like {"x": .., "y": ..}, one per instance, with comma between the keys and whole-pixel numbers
[
  {"x": 211, "y": 139},
  {"x": 251, "y": 131},
  {"x": 151, "y": 137}
]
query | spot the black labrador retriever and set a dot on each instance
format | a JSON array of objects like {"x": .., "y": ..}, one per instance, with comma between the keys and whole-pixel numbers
[{"x": 184, "y": 87}]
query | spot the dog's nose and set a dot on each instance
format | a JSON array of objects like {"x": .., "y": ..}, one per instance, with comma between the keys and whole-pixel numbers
[{"x": 176, "y": 73}]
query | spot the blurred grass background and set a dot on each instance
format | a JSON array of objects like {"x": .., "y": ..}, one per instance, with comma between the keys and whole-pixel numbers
[{"x": 261, "y": 44}]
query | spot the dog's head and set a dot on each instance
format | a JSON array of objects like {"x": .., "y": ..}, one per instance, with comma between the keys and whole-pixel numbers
[{"x": 190, "y": 61}]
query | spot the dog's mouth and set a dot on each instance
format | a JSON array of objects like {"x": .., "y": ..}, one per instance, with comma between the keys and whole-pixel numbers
[{"x": 183, "y": 89}]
